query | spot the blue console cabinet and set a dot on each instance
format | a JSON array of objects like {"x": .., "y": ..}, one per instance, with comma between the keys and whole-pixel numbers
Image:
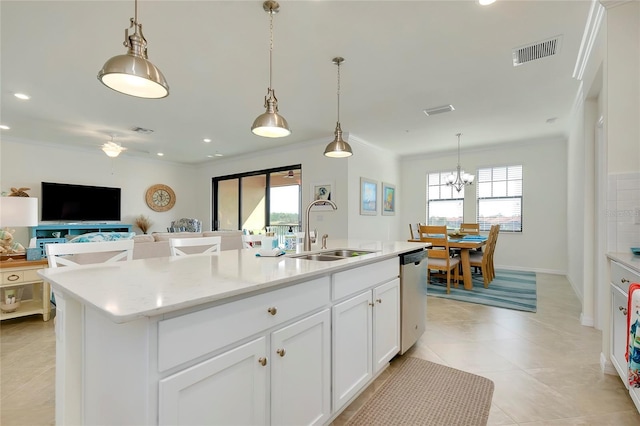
[{"x": 47, "y": 234}]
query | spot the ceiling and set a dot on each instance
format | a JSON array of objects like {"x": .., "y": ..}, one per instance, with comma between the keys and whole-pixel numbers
[{"x": 401, "y": 57}]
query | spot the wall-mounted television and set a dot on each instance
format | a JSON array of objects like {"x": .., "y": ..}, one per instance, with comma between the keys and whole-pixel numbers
[{"x": 79, "y": 203}]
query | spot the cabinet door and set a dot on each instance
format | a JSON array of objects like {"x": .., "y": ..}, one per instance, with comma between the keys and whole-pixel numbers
[
  {"x": 300, "y": 372},
  {"x": 229, "y": 389},
  {"x": 386, "y": 323},
  {"x": 619, "y": 332},
  {"x": 352, "y": 356}
]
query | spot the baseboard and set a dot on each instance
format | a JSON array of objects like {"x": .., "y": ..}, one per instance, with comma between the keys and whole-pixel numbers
[
  {"x": 606, "y": 367},
  {"x": 586, "y": 320},
  {"x": 524, "y": 268}
]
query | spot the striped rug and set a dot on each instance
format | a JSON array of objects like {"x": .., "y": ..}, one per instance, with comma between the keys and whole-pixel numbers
[{"x": 509, "y": 289}]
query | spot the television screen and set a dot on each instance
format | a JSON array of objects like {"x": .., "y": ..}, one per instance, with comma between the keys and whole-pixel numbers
[{"x": 65, "y": 202}]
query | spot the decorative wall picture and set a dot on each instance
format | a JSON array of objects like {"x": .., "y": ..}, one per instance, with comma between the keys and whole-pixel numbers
[
  {"x": 368, "y": 197},
  {"x": 388, "y": 199},
  {"x": 323, "y": 191}
]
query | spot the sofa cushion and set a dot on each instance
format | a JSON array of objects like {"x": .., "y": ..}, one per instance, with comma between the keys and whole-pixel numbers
[
  {"x": 166, "y": 236},
  {"x": 143, "y": 239}
]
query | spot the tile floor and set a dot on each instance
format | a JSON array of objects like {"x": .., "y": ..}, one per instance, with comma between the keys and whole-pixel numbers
[{"x": 545, "y": 365}]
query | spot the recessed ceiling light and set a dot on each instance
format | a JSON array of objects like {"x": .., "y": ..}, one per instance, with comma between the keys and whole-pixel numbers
[
  {"x": 4, "y": 127},
  {"x": 22, "y": 96},
  {"x": 218, "y": 154},
  {"x": 439, "y": 110},
  {"x": 207, "y": 140},
  {"x": 209, "y": 156},
  {"x": 486, "y": 2},
  {"x": 160, "y": 154}
]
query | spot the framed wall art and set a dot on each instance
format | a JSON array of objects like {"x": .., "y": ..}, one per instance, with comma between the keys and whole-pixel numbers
[
  {"x": 368, "y": 197},
  {"x": 322, "y": 191},
  {"x": 388, "y": 199}
]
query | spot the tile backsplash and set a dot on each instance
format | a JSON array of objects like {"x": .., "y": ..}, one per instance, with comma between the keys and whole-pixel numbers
[{"x": 623, "y": 211}]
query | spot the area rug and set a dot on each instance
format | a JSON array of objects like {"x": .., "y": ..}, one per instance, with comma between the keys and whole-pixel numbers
[
  {"x": 509, "y": 289},
  {"x": 421, "y": 392}
]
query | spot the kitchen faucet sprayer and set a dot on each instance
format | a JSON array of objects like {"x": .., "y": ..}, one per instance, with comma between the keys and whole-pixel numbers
[{"x": 307, "y": 234}]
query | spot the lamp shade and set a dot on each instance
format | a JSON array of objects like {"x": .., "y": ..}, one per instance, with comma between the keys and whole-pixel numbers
[
  {"x": 18, "y": 211},
  {"x": 134, "y": 75},
  {"x": 271, "y": 125}
]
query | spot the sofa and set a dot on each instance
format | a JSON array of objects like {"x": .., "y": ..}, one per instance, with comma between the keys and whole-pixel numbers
[
  {"x": 154, "y": 245},
  {"x": 157, "y": 243}
]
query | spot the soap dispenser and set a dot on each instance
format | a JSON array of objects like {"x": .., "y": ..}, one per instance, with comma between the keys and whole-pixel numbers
[{"x": 290, "y": 240}]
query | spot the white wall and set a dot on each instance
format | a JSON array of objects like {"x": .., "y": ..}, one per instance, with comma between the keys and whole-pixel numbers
[
  {"x": 542, "y": 246},
  {"x": 381, "y": 166},
  {"x": 26, "y": 164}
]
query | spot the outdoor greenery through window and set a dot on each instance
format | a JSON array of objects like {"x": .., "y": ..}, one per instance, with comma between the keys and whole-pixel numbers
[
  {"x": 500, "y": 198},
  {"x": 444, "y": 203}
]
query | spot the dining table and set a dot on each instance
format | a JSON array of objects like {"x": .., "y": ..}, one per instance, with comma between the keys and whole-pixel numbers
[{"x": 464, "y": 244}]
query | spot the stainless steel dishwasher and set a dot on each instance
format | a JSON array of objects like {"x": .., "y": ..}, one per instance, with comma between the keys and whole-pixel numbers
[{"x": 413, "y": 296}]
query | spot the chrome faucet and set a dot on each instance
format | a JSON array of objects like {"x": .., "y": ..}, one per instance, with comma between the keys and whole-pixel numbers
[{"x": 307, "y": 234}]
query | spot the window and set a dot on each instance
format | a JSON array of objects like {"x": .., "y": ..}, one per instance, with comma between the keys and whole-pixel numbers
[
  {"x": 444, "y": 203},
  {"x": 500, "y": 198},
  {"x": 258, "y": 200}
]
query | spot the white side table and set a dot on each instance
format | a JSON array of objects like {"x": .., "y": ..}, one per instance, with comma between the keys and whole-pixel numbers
[{"x": 17, "y": 273}]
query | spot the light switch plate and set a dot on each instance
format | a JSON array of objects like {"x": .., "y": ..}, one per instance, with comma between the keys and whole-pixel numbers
[{"x": 636, "y": 215}]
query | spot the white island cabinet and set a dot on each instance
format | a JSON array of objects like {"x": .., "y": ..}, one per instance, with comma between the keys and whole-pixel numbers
[{"x": 222, "y": 339}]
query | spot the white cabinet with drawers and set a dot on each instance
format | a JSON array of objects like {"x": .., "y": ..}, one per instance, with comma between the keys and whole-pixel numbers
[
  {"x": 621, "y": 278},
  {"x": 21, "y": 274}
]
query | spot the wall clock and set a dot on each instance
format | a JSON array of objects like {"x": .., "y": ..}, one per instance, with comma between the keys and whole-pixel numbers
[{"x": 160, "y": 198}]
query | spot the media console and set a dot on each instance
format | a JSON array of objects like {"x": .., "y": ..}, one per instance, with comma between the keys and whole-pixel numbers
[{"x": 56, "y": 233}]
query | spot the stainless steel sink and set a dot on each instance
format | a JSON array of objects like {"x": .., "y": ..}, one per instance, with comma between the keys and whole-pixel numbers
[
  {"x": 320, "y": 257},
  {"x": 347, "y": 252},
  {"x": 330, "y": 255}
]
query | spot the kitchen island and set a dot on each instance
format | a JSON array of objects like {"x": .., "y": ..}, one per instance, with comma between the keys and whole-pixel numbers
[{"x": 228, "y": 338}]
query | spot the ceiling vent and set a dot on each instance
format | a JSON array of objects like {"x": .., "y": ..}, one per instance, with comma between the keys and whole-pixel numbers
[
  {"x": 142, "y": 130},
  {"x": 539, "y": 50},
  {"x": 439, "y": 110}
]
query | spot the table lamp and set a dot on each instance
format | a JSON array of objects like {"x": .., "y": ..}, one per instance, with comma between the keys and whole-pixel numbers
[{"x": 17, "y": 212}]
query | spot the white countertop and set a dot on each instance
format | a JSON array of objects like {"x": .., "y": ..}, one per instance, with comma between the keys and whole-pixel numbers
[
  {"x": 126, "y": 291},
  {"x": 628, "y": 259}
]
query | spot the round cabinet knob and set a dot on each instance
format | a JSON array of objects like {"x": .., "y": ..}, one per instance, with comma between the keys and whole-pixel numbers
[
  {"x": 379, "y": 300},
  {"x": 262, "y": 361},
  {"x": 624, "y": 280},
  {"x": 272, "y": 310},
  {"x": 623, "y": 310},
  {"x": 370, "y": 304},
  {"x": 281, "y": 352}
]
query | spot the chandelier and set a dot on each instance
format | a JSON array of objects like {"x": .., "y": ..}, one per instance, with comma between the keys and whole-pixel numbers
[
  {"x": 112, "y": 149},
  {"x": 460, "y": 179}
]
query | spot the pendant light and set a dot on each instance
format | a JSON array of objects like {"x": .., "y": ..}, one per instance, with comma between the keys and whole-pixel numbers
[
  {"x": 133, "y": 74},
  {"x": 271, "y": 124},
  {"x": 112, "y": 149},
  {"x": 461, "y": 179},
  {"x": 339, "y": 148}
]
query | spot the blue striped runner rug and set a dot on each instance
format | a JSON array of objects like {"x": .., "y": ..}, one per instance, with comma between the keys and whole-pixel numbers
[{"x": 509, "y": 289}]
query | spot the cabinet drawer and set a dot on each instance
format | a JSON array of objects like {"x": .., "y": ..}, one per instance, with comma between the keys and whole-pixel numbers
[
  {"x": 13, "y": 277},
  {"x": 358, "y": 279},
  {"x": 622, "y": 277},
  {"x": 189, "y": 336}
]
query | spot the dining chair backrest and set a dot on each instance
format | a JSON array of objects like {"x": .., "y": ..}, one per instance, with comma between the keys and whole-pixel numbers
[
  {"x": 414, "y": 230},
  {"x": 470, "y": 228},
  {"x": 198, "y": 245},
  {"x": 69, "y": 254},
  {"x": 437, "y": 236}
]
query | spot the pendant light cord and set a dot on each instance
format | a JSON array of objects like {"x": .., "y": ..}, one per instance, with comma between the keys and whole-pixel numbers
[
  {"x": 458, "y": 135},
  {"x": 338, "y": 91},
  {"x": 270, "y": 47}
]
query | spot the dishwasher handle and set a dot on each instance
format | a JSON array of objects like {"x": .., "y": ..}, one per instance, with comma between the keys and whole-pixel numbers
[{"x": 413, "y": 257}]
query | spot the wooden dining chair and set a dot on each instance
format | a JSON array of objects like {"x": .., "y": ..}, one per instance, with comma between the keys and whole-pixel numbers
[
  {"x": 414, "y": 230},
  {"x": 438, "y": 257},
  {"x": 70, "y": 254},
  {"x": 198, "y": 245},
  {"x": 484, "y": 260},
  {"x": 470, "y": 228}
]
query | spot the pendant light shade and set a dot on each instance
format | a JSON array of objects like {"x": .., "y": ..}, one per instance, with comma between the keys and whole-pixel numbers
[
  {"x": 271, "y": 124},
  {"x": 338, "y": 148},
  {"x": 133, "y": 74}
]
